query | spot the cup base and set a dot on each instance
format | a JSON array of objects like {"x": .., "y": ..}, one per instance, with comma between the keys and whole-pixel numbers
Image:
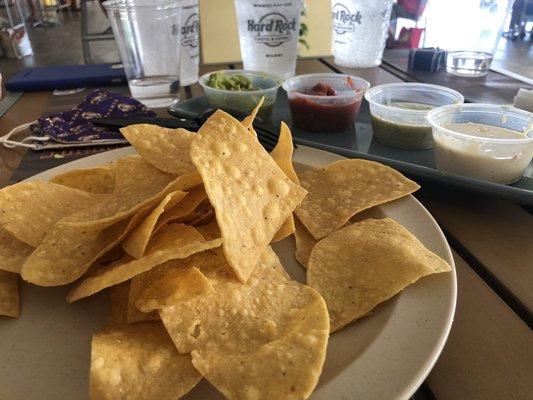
[{"x": 160, "y": 102}]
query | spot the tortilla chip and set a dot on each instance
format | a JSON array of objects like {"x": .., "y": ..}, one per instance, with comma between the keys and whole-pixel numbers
[
  {"x": 251, "y": 196},
  {"x": 28, "y": 210},
  {"x": 13, "y": 252},
  {"x": 174, "y": 241},
  {"x": 118, "y": 311},
  {"x": 304, "y": 241},
  {"x": 210, "y": 230},
  {"x": 207, "y": 259},
  {"x": 175, "y": 286},
  {"x": 136, "y": 242},
  {"x": 249, "y": 120},
  {"x": 9, "y": 294},
  {"x": 203, "y": 217},
  {"x": 94, "y": 180},
  {"x": 183, "y": 209},
  {"x": 345, "y": 188},
  {"x": 282, "y": 155},
  {"x": 366, "y": 263},
  {"x": 166, "y": 149},
  {"x": 137, "y": 185},
  {"x": 265, "y": 339},
  {"x": 139, "y": 361},
  {"x": 67, "y": 252}
]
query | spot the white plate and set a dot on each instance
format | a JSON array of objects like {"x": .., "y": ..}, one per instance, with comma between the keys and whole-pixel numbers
[{"x": 45, "y": 354}]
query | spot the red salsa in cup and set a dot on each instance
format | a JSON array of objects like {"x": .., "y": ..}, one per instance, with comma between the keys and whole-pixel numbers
[{"x": 321, "y": 107}]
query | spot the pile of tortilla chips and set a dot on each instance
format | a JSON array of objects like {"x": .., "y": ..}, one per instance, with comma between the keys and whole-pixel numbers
[{"x": 180, "y": 238}]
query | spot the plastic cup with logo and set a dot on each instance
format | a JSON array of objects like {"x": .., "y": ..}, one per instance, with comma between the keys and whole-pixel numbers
[
  {"x": 360, "y": 29},
  {"x": 268, "y": 33},
  {"x": 190, "y": 42},
  {"x": 147, "y": 33}
]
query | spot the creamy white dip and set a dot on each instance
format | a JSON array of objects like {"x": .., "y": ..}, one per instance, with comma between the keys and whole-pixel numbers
[{"x": 500, "y": 162}]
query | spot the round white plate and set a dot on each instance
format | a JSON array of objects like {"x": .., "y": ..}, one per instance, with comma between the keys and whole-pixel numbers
[{"x": 45, "y": 354}]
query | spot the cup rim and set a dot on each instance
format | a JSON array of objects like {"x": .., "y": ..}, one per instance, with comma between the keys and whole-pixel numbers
[
  {"x": 124, "y": 5},
  {"x": 275, "y": 79},
  {"x": 363, "y": 83},
  {"x": 459, "y": 98},
  {"x": 476, "y": 52},
  {"x": 480, "y": 107}
]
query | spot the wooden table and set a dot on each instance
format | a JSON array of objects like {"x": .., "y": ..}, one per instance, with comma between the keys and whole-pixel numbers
[{"x": 489, "y": 354}]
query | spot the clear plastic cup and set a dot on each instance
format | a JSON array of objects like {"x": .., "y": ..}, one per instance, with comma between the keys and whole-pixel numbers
[
  {"x": 242, "y": 102},
  {"x": 493, "y": 159},
  {"x": 314, "y": 113},
  {"x": 190, "y": 42},
  {"x": 147, "y": 33},
  {"x": 398, "y": 112},
  {"x": 468, "y": 63},
  {"x": 360, "y": 29},
  {"x": 268, "y": 34},
  {"x": 469, "y": 30}
]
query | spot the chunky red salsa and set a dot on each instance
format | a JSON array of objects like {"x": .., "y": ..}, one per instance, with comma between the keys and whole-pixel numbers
[
  {"x": 317, "y": 115},
  {"x": 321, "y": 89}
]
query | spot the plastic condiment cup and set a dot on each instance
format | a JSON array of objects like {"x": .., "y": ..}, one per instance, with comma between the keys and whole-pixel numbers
[
  {"x": 500, "y": 160},
  {"x": 243, "y": 101},
  {"x": 401, "y": 127},
  {"x": 328, "y": 114}
]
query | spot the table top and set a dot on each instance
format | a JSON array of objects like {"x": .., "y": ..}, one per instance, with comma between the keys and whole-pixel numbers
[
  {"x": 494, "y": 88},
  {"x": 488, "y": 353}
]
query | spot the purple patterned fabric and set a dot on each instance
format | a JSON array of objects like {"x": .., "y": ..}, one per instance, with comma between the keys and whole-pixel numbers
[{"x": 73, "y": 129}]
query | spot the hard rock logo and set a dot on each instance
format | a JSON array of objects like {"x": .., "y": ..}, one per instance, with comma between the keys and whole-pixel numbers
[
  {"x": 272, "y": 29},
  {"x": 344, "y": 20},
  {"x": 189, "y": 31}
]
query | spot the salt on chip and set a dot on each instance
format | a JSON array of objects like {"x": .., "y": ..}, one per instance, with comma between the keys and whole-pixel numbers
[
  {"x": 175, "y": 286},
  {"x": 344, "y": 188},
  {"x": 67, "y": 251},
  {"x": 184, "y": 208},
  {"x": 9, "y": 294},
  {"x": 137, "y": 185},
  {"x": 139, "y": 361},
  {"x": 265, "y": 339},
  {"x": 174, "y": 241},
  {"x": 13, "y": 252},
  {"x": 164, "y": 148},
  {"x": 28, "y": 210},
  {"x": 251, "y": 195},
  {"x": 282, "y": 155},
  {"x": 304, "y": 241},
  {"x": 93, "y": 180},
  {"x": 118, "y": 310},
  {"x": 366, "y": 263},
  {"x": 249, "y": 120},
  {"x": 136, "y": 242}
]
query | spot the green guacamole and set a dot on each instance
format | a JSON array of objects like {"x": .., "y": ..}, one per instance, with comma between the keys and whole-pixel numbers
[
  {"x": 219, "y": 80},
  {"x": 403, "y": 135}
]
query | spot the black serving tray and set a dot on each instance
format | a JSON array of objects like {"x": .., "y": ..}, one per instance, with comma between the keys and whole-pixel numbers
[{"x": 359, "y": 143}]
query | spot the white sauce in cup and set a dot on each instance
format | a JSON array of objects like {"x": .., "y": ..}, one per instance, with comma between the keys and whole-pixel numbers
[{"x": 487, "y": 160}]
